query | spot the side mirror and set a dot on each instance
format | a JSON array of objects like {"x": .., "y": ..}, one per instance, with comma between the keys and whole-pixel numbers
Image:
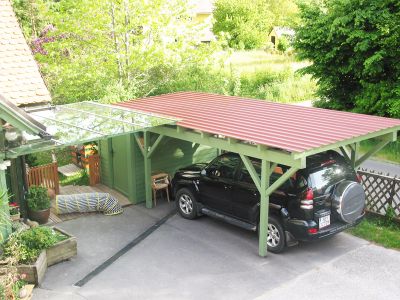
[{"x": 203, "y": 172}]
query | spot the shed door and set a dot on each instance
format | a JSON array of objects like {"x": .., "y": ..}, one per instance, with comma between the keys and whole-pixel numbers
[{"x": 120, "y": 152}]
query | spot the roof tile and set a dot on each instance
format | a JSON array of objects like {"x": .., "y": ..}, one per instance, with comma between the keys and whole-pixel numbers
[{"x": 20, "y": 79}]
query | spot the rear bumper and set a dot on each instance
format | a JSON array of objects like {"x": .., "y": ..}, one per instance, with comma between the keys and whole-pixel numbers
[{"x": 299, "y": 229}]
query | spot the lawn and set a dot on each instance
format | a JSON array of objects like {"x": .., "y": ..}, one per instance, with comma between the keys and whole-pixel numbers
[
  {"x": 390, "y": 153},
  {"x": 270, "y": 76},
  {"x": 379, "y": 231}
]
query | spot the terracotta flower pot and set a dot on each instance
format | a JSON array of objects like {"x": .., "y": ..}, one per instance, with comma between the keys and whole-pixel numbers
[
  {"x": 40, "y": 216},
  {"x": 15, "y": 217}
]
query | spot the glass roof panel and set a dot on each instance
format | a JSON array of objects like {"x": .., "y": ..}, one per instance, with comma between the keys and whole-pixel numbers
[{"x": 82, "y": 122}]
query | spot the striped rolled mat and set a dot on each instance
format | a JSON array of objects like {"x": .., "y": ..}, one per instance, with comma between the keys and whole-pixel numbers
[{"x": 88, "y": 202}]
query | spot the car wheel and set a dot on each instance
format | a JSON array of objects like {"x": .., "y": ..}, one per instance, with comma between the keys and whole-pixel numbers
[
  {"x": 276, "y": 235},
  {"x": 186, "y": 204}
]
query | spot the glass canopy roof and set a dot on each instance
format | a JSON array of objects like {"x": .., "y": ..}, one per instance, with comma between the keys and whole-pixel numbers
[{"x": 82, "y": 122}]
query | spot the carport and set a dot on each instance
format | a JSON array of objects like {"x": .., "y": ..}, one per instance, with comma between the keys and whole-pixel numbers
[{"x": 273, "y": 132}]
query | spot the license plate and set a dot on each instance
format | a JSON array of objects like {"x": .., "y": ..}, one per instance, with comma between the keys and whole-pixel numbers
[{"x": 324, "y": 221}]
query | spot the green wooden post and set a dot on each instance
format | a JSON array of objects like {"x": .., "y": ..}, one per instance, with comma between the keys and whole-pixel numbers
[
  {"x": 147, "y": 170},
  {"x": 264, "y": 206},
  {"x": 130, "y": 162}
]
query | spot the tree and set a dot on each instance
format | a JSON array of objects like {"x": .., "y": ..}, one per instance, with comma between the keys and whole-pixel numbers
[
  {"x": 246, "y": 21},
  {"x": 113, "y": 49},
  {"x": 354, "y": 46}
]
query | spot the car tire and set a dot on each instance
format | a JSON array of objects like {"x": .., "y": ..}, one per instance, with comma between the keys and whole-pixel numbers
[
  {"x": 276, "y": 240},
  {"x": 186, "y": 204}
]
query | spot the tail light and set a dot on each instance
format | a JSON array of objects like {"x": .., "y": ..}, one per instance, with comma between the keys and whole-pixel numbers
[
  {"x": 359, "y": 178},
  {"x": 312, "y": 230},
  {"x": 308, "y": 201}
]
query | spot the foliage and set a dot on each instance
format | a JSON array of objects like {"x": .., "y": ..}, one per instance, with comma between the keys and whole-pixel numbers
[
  {"x": 113, "y": 50},
  {"x": 26, "y": 245},
  {"x": 5, "y": 221},
  {"x": 379, "y": 231},
  {"x": 38, "y": 198},
  {"x": 246, "y": 23},
  {"x": 63, "y": 156},
  {"x": 283, "y": 44},
  {"x": 355, "y": 49},
  {"x": 13, "y": 208}
]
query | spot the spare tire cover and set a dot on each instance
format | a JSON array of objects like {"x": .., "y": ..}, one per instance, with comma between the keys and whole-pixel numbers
[{"x": 349, "y": 200}]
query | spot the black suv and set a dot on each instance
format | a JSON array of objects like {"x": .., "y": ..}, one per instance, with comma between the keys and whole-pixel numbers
[{"x": 318, "y": 201}]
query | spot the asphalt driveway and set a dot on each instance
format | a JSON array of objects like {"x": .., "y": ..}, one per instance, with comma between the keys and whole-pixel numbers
[{"x": 207, "y": 259}]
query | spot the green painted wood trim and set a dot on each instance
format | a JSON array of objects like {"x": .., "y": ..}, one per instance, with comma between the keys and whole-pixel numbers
[
  {"x": 388, "y": 131},
  {"x": 264, "y": 207},
  {"x": 345, "y": 154},
  {"x": 277, "y": 156},
  {"x": 147, "y": 170},
  {"x": 130, "y": 161},
  {"x": 155, "y": 145},
  {"x": 110, "y": 154},
  {"x": 354, "y": 153},
  {"x": 252, "y": 171},
  {"x": 281, "y": 180},
  {"x": 136, "y": 135}
]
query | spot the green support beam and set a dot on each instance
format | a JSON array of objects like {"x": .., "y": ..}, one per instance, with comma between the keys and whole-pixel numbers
[
  {"x": 385, "y": 132},
  {"x": 277, "y": 156},
  {"x": 155, "y": 145},
  {"x": 265, "y": 190},
  {"x": 131, "y": 174},
  {"x": 371, "y": 152},
  {"x": 264, "y": 208},
  {"x": 147, "y": 170},
  {"x": 252, "y": 171}
]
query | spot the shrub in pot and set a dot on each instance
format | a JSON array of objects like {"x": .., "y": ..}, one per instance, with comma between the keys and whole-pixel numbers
[{"x": 38, "y": 201}]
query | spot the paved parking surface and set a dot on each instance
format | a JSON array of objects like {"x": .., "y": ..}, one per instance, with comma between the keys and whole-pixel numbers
[{"x": 207, "y": 259}]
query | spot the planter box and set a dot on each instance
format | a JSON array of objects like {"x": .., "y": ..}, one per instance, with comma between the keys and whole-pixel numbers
[
  {"x": 62, "y": 250},
  {"x": 34, "y": 273}
]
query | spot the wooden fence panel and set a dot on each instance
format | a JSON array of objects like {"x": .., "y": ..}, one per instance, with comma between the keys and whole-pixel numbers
[
  {"x": 46, "y": 176},
  {"x": 382, "y": 192},
  {"x": 94, "y": 169}
]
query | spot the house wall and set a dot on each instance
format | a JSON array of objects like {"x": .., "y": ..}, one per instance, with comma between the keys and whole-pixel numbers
[{"x": 170, "y": 155}]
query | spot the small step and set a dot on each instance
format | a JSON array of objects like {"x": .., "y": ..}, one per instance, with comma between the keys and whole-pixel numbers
[{"x": 228, "y": 219}]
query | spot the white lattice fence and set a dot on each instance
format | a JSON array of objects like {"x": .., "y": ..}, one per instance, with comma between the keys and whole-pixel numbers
[{"x": 382, "y": 191}]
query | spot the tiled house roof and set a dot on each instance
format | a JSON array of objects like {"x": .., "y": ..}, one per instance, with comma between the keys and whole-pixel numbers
[{"x": 20, "y": 80}]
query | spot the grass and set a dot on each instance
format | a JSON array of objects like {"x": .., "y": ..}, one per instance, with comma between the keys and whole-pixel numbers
[
  {"x": 81, "y": 178},
  {"x": 391, "y": 152},
  {"x": 270, "y": 76},
  {"x": 252, "y": 74},
  {"x": 378, "y": 230}
]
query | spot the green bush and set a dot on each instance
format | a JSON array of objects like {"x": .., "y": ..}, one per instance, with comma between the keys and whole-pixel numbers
[
  {"x": 27, "y": 245},
  {"x": 38, "y": 198},
  {"x": 283, "y": 44},
  {"x": 355, "y": 48}
]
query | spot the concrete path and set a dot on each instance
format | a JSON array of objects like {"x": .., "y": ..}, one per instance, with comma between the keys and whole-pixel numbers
[{"x": 208, "y": 259}]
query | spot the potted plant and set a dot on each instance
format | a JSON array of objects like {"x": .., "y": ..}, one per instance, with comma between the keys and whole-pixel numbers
[
  {"x": 38, "y": 201},
  {"x": 14, "y": 211}
]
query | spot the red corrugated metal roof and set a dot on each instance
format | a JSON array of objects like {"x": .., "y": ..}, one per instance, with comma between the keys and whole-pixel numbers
[{"x": 285, "y": 126}]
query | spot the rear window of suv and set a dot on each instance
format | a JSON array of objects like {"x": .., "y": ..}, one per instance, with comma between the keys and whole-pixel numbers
[{"x": 327, "y": 176}]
